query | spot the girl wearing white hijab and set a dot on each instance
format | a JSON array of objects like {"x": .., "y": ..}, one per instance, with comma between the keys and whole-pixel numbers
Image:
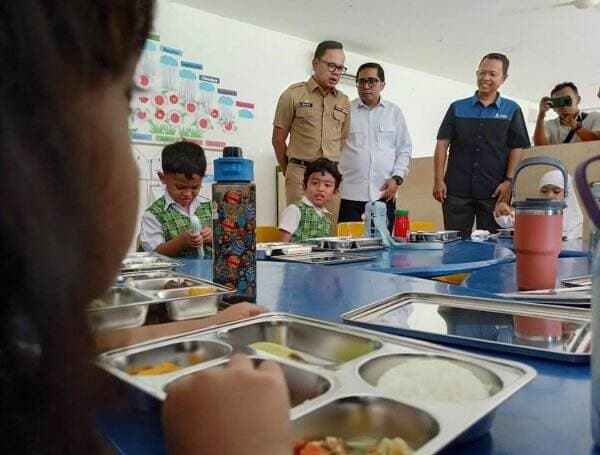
[{"x": 551, "y": 186}]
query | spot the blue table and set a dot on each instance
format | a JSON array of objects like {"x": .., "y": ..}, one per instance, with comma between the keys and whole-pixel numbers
[
  {"x": 455, "y": 257},
  {"x": 550, "y": 415},
  {"x": 502, "y": 277},
  {"x": 570, "y": 248}
]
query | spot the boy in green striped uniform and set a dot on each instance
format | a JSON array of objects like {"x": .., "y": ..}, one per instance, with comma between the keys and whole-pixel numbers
[
  {"x": 309, "y": 218},
  {"x": 166, "y": 223}
]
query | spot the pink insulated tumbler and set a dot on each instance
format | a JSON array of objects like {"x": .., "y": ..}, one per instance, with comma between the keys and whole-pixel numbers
[{"x": 538, "y": 232}]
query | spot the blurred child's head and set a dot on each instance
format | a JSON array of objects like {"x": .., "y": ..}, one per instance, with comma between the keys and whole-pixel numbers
[
  {"x": 321, "y": 181},
  {"x": 552, "y": 185},
  {"x": 184, "y": 167},
  {"x": 70, "y": 188}
]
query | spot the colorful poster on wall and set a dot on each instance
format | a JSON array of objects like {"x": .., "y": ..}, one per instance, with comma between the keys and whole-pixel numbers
[{"x": 173, "y": 100}]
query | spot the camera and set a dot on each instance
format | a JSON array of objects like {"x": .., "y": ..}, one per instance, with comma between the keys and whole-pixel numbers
[{"x": 560, "y": 101}]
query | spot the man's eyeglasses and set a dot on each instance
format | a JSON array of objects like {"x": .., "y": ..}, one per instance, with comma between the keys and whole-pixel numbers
[
  {"x": 333, "y": 68},
  {"x": 371, "y": 82}
]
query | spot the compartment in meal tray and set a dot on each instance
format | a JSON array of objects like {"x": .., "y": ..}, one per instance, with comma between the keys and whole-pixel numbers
[
  {"x": 358, "y": 419},
  {"x": 367, "y": 242},
  {"x": 115, "y": 310},
  {"x": 435, "y": 236},
  {"x": 404, "y": 376},
  {"x": 303, "y": 385},
  {"x": 166, "y": 283},
  {"x": 147, "y": 261},
  {"x": 189, "y": 306},
  {"x": 134, "y": 276},
  {"x": 301, "y": 342},
  {"x": 170, "y": 357},
  {"x": 331, "y": 243}
]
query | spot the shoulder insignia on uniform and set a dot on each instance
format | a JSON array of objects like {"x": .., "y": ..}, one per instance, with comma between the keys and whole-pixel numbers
[
  {"x": 341, "y": 109},
  {"x": 297, "y": 84}
]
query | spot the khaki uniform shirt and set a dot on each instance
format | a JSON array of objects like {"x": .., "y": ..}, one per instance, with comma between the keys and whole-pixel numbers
[{"x": 317, "y": 123}]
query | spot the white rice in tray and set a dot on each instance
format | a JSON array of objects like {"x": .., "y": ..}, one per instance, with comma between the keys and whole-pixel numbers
[{"x": 432, "y": 380}]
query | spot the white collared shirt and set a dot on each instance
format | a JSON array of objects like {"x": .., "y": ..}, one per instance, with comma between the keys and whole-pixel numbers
[
  {"x": 557, "y": 132},
  {"x": 290, "y": 217},
  {"x": 377, "y": 148},
  {"x": 151, "y": 232}
]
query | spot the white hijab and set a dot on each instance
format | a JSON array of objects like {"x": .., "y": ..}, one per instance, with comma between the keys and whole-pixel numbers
[{"x": 572, "y": 216}]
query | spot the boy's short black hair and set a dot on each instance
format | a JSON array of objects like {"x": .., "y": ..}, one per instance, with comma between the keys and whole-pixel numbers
[
  {"x": 323, "y": 165},
  {"x": 184, "y": 158},
  {"x": 324, "y": 46},
  {"x": 564, "y": 85}
]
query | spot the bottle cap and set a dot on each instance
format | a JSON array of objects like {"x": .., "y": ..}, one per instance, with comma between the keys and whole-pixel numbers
[
  {"x": 232, "y": 152},
  {"x": 401, "y": 212}
]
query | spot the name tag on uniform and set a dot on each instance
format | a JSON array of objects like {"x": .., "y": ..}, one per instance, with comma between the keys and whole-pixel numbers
[
  {"x": 305, "y": 104},
  {"x": 341, "y": 109}
]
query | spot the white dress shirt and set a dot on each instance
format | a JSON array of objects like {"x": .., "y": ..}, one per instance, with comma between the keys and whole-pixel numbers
[
  {"x": 151, "y": 232},
  {"x": 290, "y": 217},
  {"x": 377, "y": 147}
]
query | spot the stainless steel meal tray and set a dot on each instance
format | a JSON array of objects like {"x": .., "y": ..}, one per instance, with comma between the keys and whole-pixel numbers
[
  {"x": 573, "y": 296},
  {"x": 584, "y": 280},
  {"x": 119, "y": 308},
  {"x": 325, "y": 258},
  {"x": 147, "y": 261},
  {"x": 330, "y": 243},
  {"x": 435, "y": 236},
  {"x": 552, "y": 332},
  {"x": 333, "y": 379},
  {"x": 180, "y": 303},
  {"x": 347, "y": 244},
  {"x": 506, "y": 233},
  {"x": 126, "y": 304},
  {"x": 266, "y": 250},
  {"x": 145, "y": 275}
]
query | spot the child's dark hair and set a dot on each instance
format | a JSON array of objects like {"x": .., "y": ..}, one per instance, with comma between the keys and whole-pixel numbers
[
  {"x": 184, "y": 158},
  {"x": 323, "y": 165}
]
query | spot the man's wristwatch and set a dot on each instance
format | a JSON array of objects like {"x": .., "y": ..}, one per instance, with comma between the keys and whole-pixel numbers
[
  {"x": 398, "y": 179},
  {"x": 508, "y": 179}
]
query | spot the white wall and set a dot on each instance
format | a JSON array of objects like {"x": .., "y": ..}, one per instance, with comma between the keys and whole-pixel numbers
[{"x": 260, "y": 64}]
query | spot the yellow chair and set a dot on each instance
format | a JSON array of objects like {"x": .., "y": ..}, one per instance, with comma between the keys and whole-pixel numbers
[
  {"x": 419, "y": 225},
  {"x": 265, "y": 234},
  {"x": 351, "y": 228}
]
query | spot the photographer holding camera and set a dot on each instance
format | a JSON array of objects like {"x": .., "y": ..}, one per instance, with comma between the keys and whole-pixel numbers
[{"x": 571, "y": 125}]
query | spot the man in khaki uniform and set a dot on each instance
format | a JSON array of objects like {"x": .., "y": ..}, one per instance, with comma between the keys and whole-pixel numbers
[{"x": 316, "y": 117}]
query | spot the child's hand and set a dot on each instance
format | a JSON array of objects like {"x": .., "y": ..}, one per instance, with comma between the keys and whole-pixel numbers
[
  {"x": 240, "y": 310},
  {"x": 237, "y": 409},
  {"x": 501, "y": 209},
  {"x": 189, "y": 239},
  {"x": 206, "y": 234}
]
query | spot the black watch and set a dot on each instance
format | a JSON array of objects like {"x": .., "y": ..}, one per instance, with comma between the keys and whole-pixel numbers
[
  {"x": 398, "y": 179},
  {"x": 508, "y": 179}
]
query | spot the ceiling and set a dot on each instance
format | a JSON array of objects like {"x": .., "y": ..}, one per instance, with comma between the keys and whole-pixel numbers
[{"x": 546, "y": 44}]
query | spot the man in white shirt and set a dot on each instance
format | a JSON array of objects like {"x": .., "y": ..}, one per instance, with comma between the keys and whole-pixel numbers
[
  {"x": 571, "y": 125},
  {"x": 375, "y": 157}
]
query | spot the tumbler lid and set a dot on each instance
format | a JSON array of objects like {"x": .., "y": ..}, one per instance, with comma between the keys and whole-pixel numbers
[{"x": 540, "y": 203}]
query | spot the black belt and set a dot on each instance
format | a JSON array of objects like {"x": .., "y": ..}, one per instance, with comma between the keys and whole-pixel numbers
[{"x": 302, "y": 162}]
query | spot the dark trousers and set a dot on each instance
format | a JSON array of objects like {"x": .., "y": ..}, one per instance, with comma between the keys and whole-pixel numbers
[
  {"x": 353, "y": 211},
  {"x": 460, "y": 213}
]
